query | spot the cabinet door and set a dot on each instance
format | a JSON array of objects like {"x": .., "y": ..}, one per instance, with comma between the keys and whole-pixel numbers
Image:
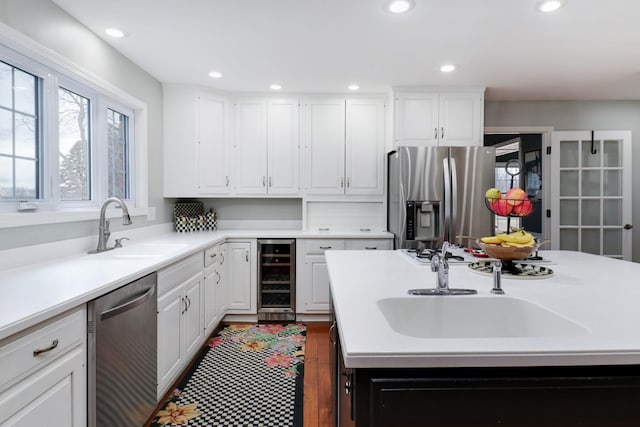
[
  {"x": 210, "y": 287},
  {"x": 53, "y": 395},
  {"x": 416, "y": 121},
  {"x": 364, "y": 146},
  {"x": 170, "y": 308},
  {"x": 283, "y": 146},
  {"x": 242, "y": 293},
  {"x": 222, "y": 286},
  {"x": 192, "y": 317},
  {"x": 211, "y": 158},
  {"x": 317, "y": 284},
  {"x": 250, "y": 173},
  {"x": 324, "y": 146},
  {"x": 460, "y": 119}
]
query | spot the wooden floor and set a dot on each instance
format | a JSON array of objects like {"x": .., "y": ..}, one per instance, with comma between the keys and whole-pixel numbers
[{"x": 317, "y": 377}]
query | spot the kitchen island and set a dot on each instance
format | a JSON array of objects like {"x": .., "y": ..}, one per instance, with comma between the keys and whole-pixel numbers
[{"x": 571, "y": 357}]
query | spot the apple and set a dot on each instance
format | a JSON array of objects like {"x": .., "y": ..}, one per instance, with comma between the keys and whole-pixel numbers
[
  {"x": 493, "y": 194},
  {"x": 501, "y": 207},
  {"x": 523, "y": 209},
  {"x": 516, "y": 196}
]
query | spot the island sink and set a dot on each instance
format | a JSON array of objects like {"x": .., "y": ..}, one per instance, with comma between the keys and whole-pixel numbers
[{"x": 474, "y": 317}]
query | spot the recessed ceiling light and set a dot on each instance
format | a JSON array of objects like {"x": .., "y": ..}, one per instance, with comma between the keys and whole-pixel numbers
[
  {"x": 115, "y": 33},
  {"x": 215, "y": 74},
  {"x": 353, "y": 87},
  {"x": 400, "y": 6},
  {"x": 275, "y": 86},
  {"x": 550, "y": 5},
  {"x": 447, "y": 68}
]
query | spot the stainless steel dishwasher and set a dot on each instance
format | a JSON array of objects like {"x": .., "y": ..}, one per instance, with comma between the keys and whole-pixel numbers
[{"x": 122, "y": 359}]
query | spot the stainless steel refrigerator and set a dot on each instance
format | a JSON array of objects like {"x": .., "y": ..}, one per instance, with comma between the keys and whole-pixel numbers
[{"x": 436, "y": 194}]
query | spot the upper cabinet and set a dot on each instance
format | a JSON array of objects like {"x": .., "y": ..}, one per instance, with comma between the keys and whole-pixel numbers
[
  {"x": 195, "y": 143},
  {"x": 432, "y": 118},
  {"x": 266, "y": 146},
  {"x": 344, "y": 144}
]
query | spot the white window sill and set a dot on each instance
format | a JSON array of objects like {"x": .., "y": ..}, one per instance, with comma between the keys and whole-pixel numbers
[{"x": 22, "y": 219}]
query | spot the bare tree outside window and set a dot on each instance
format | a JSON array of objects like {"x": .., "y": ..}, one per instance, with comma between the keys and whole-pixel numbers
[
  {"x": 118, "y": 143},
  {"x": 74, "y": 125}
]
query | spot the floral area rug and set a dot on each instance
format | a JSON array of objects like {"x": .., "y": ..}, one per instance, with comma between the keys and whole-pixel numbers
[{"x": 249, "y": 375}]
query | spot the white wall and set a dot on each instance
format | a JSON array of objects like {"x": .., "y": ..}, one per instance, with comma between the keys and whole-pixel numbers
[
  {"x": 47, "y": 24},
  {"x": 578, "y": 115}
]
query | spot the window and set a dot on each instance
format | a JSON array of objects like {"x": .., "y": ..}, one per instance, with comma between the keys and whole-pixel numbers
[
  {"x": 20, "y": 169},
  {"x": 118, "y": 148},
  {"x": 68, "y": 140},
  {"x": 74, "y": 124}
]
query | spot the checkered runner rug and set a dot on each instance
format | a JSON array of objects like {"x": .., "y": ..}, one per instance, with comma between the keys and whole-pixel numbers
[{"x": 249, "y": 375}]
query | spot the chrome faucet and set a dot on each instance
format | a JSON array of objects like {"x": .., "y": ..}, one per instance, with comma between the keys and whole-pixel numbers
[
  {"x": 440, "y": 265},
  {"x": 103, "y": 227}
]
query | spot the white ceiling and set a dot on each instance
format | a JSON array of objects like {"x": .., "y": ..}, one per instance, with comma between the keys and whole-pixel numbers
[{"x": 590, "y": 49}]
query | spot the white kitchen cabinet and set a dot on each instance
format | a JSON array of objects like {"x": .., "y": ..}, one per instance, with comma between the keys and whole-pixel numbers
[
  {"x": 449, "y": 118},
  {"x": 180, "y": 330},
  {"x": 49, "y": 387},
  {"x": 215, "y": 288},
  {"x": 312, "y": 279},
  {"x": 195, "y": 143},
  {"x": 212, "y": 163},
  {"x": 241, "y": 276},
  {"x": 266, "y": 146},
  {"x": 344, "y": 144}
]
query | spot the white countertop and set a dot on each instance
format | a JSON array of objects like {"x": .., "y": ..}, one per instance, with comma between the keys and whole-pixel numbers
[
  {"x": 600, "y": 294},
  {"x": 36, "y": 292}
]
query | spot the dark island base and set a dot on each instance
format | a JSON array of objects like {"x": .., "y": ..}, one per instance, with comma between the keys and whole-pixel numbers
[{"x": 602, "y": 396}]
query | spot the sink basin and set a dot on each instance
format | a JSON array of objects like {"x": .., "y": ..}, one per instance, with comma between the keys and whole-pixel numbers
[
  {"x": 145, "y": 251},
  {"x": 474, "y": 317}
]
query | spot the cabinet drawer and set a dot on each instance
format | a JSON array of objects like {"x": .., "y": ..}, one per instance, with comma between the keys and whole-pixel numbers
[
  {"x": 179, "y": 272},
  {"x": 316, "y": 246},
  {"x": 41, "y": 346},
  {"x": 212, "y": 255},
  {"x": 369, "y": 244}
]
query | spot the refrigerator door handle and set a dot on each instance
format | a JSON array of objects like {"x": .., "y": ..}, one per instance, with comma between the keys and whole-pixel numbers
[
  {"x": 454, "y": 201},
  {"x": 446, "y": 203}
]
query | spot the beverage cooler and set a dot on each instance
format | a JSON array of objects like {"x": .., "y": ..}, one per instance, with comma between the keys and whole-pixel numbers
[{"x": 276, "y": 280}]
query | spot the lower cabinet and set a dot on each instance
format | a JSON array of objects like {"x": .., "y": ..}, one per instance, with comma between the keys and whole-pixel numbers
[
  {"x": 312, "y": 280},
  {"x": 180, "y": 320},
  {"x": 216, "y": 291},
  {"x": 43, "y": 375},
  {"x": 241, "y": 275}
]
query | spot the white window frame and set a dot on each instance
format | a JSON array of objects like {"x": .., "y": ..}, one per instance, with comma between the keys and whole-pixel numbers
[{"x": 56, "y": 70}]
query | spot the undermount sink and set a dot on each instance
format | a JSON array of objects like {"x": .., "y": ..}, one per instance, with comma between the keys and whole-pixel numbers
[
  {"x": 474, "y": 317},
  {"x": 145, "y": 251}
]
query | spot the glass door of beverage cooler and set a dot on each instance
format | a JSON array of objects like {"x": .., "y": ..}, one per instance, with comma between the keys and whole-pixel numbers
[{"x": 276, "y": 279}]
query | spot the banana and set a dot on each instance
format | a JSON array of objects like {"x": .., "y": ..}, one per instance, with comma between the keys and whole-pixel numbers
[
  {"x": 519, "y": 245},
  {"x": 520, "y": 237},
  {"x": 492, "y": 240}
]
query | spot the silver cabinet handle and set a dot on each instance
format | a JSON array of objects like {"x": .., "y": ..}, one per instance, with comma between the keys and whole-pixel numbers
[
  {"x": 213, "y": 255},
  {"x": 218, "y": 281},
  {"x": 226, "y": 181},
  {"x": 222, "y": 256},
  {"x": 365, "y": 229},
  {"x": 188, "y": 303},
  {"x": 39, "y": 351},
  {"x": 435, "y": 133},
  {"x": 325, "y": 247},
  {"x": 323, "y": 229},
  {"x": 348, "y": 182},
  {"x": 246, "y": 255},
  {"x": 264, "y": 181},
  {"x": 341, "y": 182},
  {"x": 370, "y": 248},
  {"x": 184, "y": 301},
  {"x": 269, "y": 181},
  {"x": 441, "y": 133},
  {"x": 332, "y": 333}
]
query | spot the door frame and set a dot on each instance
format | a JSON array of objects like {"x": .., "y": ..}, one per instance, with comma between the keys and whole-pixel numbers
[{"x": 545, "y": 132}]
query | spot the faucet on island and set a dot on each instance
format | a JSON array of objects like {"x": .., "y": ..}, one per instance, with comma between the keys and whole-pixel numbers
[
  {"x": 103, "y": 227},
  {"x": 440, "y": 266}
]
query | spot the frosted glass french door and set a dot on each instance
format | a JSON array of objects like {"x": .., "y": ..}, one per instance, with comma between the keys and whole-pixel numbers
[{"x": 591, "y": 192}]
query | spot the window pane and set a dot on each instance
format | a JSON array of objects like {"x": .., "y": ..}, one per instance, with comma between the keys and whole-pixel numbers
[
  {"x": 6, "y": 100},
  {"x": 74, "y": 124},
  {"x": 6, "y": 132},
  {"x": 25, "y": 134},
  {"x": 26, "y": 179},
  {"x": 118, "y": 136},
  {"x": 24, "y": 92},
  {"x": 6, "y": 178}
]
